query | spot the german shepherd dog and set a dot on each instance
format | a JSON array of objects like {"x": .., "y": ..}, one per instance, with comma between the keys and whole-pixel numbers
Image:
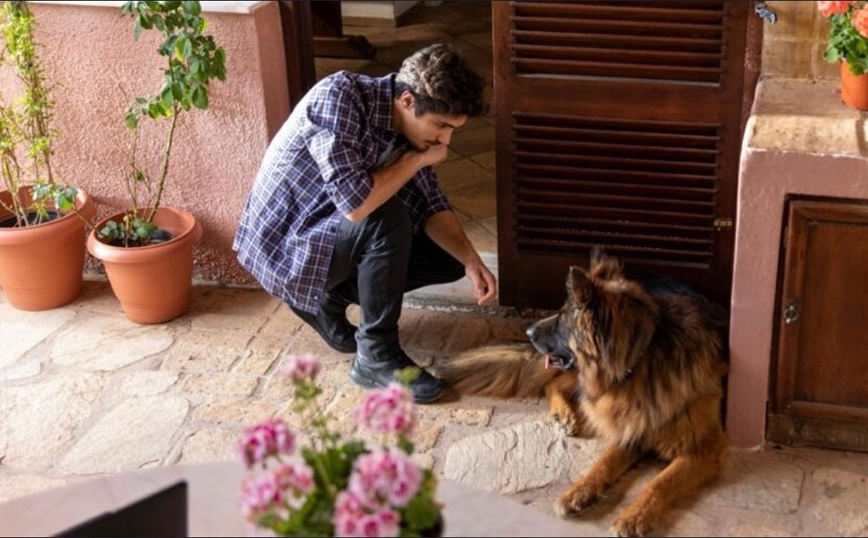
[{"x": 638, "y": 363}]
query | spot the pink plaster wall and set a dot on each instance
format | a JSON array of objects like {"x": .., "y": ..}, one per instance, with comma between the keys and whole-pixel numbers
[
  {"x": 767, "y": 177},
  {"x": 98, "y": 68}
]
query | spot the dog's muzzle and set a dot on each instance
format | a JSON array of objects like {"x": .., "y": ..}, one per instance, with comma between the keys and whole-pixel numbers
[{"x": 547, "y": 337}]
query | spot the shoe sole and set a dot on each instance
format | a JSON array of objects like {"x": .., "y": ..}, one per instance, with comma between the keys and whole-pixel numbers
[
  {"x": 369, "y": 383},
  {"x": 336, "y": 347},
  {"x": 339, "y": 348},
  {"x": 316, "y": 329}
]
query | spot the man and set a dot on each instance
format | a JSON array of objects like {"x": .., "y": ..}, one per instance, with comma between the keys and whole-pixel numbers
[{"x": 346, "y": 207}]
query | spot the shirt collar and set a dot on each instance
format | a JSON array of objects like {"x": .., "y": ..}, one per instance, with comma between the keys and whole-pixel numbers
[{"x": 382, "y": 110}]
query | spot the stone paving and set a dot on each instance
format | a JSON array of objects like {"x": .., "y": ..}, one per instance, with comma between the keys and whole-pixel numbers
[{"x": 84, "y": 392}]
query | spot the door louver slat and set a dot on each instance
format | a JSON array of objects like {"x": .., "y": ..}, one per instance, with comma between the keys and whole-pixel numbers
[
  {"x": 624, "y": 40},
  {"x": 614, "y": 176},
  {"x": 626, "y": 56},
  {"x": 618, "y": 124},
  {"x": 634, "y": 197}
]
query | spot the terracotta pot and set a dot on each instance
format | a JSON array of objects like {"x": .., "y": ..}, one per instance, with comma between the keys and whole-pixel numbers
[
  {"x": 854, "y": 88},
  {"x": 152, "y": 282},
  {"x": 41, "y": 266}
]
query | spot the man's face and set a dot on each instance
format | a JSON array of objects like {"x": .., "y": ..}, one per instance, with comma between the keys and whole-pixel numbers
[{"x": 429, "y": 129}]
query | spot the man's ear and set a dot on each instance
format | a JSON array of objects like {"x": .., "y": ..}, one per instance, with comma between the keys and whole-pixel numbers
[{"x": 407, "y": 100}]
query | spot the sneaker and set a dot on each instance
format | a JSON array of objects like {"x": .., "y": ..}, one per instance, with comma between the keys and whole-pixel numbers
[
  {"x": 333, "y": 327},
  {"x": 374, "y": 374}
]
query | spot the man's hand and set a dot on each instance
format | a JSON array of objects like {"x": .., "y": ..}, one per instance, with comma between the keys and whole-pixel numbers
[
  {"x": 432, "y": 156},
  {"x": 484, "y": 282}
]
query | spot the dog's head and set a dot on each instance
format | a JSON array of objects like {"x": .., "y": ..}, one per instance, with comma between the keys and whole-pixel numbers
[{"x": 605, "y": 324}]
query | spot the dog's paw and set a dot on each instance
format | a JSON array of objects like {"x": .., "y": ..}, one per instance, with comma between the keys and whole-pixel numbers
[
  {"x": 573, "y": 501},
  {"x": 631, "y": 525},
  {"x": 567, "y": 421}
]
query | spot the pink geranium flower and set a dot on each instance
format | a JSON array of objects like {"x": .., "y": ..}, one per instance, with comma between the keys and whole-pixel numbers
[
  {"x": 385, "y": 476},
  {"x": 295, "y": 477},
  {"x": 260, "y": 495},
  {"x": 301, "y": 368},
  {"x": 270, "y": 438},
  {"x": 389, "y": 410},
  {"x": 332, "y": 487},
  {"x": 353, "y": 519}
]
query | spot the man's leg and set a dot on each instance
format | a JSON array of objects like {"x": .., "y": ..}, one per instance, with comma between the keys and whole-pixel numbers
[
  {"x": 430, "y": 264},
  {"x": 385, "y": 242}
]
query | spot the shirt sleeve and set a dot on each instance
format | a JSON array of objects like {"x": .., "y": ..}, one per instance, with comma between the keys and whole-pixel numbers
[
  {"x": 423, "y": 197},
  {"x": 336, "y": 146}
]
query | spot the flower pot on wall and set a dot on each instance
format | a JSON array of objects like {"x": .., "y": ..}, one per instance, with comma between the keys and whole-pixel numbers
[
  {"x": 41, "y": 266},
  {"x": 854, "y": 88},
  {"x": 152, "y": 282}
]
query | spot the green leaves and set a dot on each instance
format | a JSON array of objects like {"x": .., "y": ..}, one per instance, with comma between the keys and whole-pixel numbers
[
  {"x": 193, "y": 58},
  {"x": 26, "y": 135},
  {"x": 846, "y": 44},
  {"x": 131, "y": 231}
]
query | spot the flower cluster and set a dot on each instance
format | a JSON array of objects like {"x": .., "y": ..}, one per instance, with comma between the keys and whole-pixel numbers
[
  {"x": 848, "y": 35},
  {"x": 334, "y": 488}
]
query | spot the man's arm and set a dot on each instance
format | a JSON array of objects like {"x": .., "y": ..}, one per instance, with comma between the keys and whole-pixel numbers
[
  {"x": 444, "y": 229},
  {"x": 388, "y": 180}
]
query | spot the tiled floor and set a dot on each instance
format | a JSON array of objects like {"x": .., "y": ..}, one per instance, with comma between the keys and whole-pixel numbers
[
  {"x": 467, "y": 177},
  {"x": 85, "y": 393}
]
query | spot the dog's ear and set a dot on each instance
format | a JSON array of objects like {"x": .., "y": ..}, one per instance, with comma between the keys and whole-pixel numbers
[
  {"x": 597, "y": 252},
  {"x": 626, "y": 323},
  {"x": 603, "y": 266},
  {"x": 580, "y": 289}
]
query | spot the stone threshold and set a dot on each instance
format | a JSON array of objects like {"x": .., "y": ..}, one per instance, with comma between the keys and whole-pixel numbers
[{"x": 805, "y": 116}]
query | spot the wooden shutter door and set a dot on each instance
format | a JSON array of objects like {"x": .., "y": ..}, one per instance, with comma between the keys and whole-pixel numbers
[{"x": 618, "y": 123}]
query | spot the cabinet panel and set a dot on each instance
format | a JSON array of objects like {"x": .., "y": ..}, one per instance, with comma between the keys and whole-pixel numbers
[{"x": 820, "y": 382}]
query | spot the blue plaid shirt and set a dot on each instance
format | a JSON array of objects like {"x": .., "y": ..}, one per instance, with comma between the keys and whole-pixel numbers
[{"x": 316, "y": 170}]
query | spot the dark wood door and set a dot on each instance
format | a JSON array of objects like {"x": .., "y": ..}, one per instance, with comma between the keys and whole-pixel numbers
[
  {"x": 297, "y": 27},
  {"x": 820, "y": 378},
  {"x": 618, "y": 123}
]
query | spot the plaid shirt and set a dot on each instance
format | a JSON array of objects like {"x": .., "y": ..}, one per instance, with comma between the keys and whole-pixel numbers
[{"x": 316, "y": 170}]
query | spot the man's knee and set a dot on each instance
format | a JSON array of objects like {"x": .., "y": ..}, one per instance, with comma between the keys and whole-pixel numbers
[{"x": 392, "y": 217}]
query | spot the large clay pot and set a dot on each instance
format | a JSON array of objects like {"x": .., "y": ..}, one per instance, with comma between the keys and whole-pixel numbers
[
  {"x": 854, "y": 88},
  {"x": 41, "y": 266},
  {"x": 153, "y": 282}
]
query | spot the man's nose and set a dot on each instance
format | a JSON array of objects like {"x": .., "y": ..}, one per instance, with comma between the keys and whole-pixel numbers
[{"x": 445, "y": 138}]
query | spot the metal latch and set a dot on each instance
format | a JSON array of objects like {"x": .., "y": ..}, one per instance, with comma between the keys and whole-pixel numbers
[
  {"x": 763, "y": 11},
  {"x": 791, "y": 312},
  {"x": 722, "y": 223}
]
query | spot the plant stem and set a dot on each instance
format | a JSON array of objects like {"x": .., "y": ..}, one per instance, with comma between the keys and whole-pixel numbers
[{"x": 166, "y": 154}]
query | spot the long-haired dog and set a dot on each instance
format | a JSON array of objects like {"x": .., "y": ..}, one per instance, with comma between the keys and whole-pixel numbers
[{"x": 639, "y": 364}]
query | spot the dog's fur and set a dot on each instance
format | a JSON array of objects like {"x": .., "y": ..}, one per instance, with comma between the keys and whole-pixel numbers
[{"x": 638, "y": 364}]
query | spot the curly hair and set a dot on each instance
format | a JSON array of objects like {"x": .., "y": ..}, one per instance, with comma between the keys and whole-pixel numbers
[{"x": 441, "y": 82}]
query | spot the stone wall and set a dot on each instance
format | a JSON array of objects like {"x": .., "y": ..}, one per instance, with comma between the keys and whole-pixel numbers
[{"x": 793, "y": 47}]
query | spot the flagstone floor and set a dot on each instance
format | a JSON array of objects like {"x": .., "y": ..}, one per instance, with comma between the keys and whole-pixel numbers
[{"x": 84, "y": 393}]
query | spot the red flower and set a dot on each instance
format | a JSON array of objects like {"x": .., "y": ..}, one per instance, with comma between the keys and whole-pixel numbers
[
  {"x": 827, "y": 9},
  {"x": 860, "y": 21}
]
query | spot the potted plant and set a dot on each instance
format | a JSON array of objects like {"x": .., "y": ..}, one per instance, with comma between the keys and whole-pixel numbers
[
  {"x": 848, "y": 46},
  {"x": 329, "y": 486},
  {"x": 41, "y": 238},
  {"x": 148, "y": 245}
]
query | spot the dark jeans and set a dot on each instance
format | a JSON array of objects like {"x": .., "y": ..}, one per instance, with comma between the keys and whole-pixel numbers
[{"x": 374, "y": 263}]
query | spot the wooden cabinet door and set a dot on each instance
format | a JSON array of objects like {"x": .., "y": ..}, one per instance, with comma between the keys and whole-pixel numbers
[
  {"x": 619, "y": 124},
  {"x": 820, "y": 379}
]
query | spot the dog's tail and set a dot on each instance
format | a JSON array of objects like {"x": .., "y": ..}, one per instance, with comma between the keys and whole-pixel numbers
[{"x": 503, "y": 371}]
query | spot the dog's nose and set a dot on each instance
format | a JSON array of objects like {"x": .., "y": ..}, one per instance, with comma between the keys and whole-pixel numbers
[{"x": 531, "y": 331}]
